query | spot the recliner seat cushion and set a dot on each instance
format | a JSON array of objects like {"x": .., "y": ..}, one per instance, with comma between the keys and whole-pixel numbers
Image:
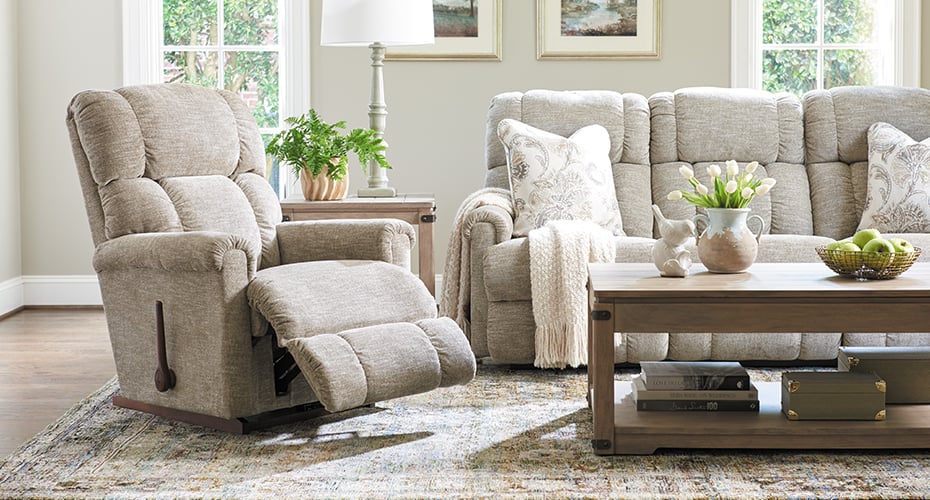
[
  {"x": 310, "y": 298},
  {"x": 354, "y": 353}
]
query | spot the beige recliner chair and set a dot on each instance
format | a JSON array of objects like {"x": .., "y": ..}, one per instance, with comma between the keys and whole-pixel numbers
[{"x": 184, "y": 223}]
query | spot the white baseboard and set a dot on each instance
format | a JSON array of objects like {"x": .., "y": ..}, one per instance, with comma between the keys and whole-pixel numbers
[
  {"x": 11, "y": 295},
  {"x": 81, "y": 290}
]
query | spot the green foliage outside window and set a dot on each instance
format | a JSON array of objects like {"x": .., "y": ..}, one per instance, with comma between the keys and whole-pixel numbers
[
  {"x": 795, "y": 22},
  {"x": 253, "y": 74}
]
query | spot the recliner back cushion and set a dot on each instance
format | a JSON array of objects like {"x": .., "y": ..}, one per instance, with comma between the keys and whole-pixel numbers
[
  {"x": 175, "y": 157},
  {"x": 211, "y": 203}
]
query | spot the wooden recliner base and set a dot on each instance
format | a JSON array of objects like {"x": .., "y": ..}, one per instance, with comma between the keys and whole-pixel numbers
[{"x": 241, "y": 425}]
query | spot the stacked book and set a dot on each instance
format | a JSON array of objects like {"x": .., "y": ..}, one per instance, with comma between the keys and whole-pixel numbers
[{"x": 694, "y": 385}]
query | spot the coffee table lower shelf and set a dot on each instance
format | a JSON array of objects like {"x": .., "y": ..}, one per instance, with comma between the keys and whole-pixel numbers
[{"x": 643, "y": 432}]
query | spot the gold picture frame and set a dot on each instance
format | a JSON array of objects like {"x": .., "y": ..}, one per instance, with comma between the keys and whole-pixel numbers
[
  {"x": 589, "y": 31},
  {"x": 482, "y": 43}
]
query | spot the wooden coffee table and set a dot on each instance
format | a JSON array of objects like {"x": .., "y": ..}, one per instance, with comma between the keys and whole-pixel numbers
[{"x": 771, "y": 299}]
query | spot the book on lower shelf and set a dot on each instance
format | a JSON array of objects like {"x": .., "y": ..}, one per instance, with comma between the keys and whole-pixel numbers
[
  {"x": 722, "y": 400},
  {"x": 641, "y": 393},
  {"x": 697, "y": 405},
  {"x": 694, "y": 375}
]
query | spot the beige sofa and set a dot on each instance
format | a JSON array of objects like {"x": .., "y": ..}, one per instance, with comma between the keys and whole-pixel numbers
[{"x": 815, "y": 147}]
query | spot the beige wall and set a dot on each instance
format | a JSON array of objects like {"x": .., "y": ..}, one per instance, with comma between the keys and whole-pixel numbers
[
  {"x": 10, "y": 250},
  {"x": 437, "y": 109},
  {"x": 925, "y": 43},
  {"x": 64, "y": 47}
]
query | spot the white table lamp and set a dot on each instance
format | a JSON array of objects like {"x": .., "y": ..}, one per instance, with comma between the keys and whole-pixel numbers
[{"x": 377, "y": 24}]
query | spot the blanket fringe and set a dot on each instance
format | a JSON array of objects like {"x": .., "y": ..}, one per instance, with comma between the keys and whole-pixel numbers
[{"x": 561, "y": 345}]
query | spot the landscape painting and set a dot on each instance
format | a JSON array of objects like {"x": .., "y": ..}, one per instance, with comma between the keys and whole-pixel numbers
[
  {"x": 598, "y": 29},
  {"x": 599, "y": 17},
  {"x": 455, "y": 18},
  {"x": 465, "y": 30}
]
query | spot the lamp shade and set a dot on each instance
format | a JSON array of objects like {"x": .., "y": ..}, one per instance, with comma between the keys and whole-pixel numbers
[{"x": 389, "y": 22}]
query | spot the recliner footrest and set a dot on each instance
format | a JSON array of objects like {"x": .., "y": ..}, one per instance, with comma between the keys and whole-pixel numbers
[{"x": 366, "y": 365}]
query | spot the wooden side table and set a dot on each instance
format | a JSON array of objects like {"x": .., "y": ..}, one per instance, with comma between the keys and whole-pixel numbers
[{"x": 419, "y": 210}]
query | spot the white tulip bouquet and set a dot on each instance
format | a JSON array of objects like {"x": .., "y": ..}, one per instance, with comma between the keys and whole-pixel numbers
[{"x": 731, "y": 189}]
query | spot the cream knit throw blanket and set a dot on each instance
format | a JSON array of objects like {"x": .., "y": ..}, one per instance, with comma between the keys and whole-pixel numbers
[
  {"x": 559, "y": 255},
  {"x": 456, "y": 273}
]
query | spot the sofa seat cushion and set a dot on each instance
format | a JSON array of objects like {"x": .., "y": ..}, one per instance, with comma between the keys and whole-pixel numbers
[
  {"x": 311, "y": 298},
  {"x": 507, "y": 265},
  {"x": 790, "y": 248}
]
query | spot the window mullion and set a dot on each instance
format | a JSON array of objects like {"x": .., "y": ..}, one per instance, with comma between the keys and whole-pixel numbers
[
  {"x": 220, "y": 41},
  {"x": 820, "y": 42}
]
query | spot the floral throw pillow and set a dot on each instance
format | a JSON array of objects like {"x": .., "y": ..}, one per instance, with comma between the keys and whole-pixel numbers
[
  {"x": 558, "y": 178},
  {"x": 898, "y": 199}
]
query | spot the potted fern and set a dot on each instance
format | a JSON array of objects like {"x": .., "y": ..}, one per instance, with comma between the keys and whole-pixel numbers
[{"x": 318, "y": 153}]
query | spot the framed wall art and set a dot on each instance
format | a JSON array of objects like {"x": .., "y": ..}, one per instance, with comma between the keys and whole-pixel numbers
[
  {"x": 465, "y": 30},
  {"x": 598, "y": 29}
]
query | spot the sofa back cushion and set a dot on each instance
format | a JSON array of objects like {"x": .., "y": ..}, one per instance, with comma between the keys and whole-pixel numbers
[
  {"x": 157, "y": 158},
  {"x": 701, "y": 126},
  {"x": 624, "y": 116},
  {"x": 836, "y": 124}
]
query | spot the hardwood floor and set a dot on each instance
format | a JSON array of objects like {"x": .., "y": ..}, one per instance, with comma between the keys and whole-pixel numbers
[{"x": 49, "y": 360}]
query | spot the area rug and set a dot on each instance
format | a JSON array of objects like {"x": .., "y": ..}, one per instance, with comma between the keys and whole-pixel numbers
[{"x": 508, "y": 434}]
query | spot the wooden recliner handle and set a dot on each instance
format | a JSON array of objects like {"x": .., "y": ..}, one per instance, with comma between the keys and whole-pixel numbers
[{"x": 164, "y": 376}]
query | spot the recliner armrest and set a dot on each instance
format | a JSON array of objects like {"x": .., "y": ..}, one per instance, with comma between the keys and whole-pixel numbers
[
  {"x": 388, "y": 240},
  {"x": 171, "y": 251}
]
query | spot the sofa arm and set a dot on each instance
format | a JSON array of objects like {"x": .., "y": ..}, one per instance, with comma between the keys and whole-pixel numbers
[
  {"x": 482, "y": 222},
  {"x": 388, "y": 240},
  {"x": 194, "y": 251},
  {"x": 490, "y": 218},
  {"x": 485, "y": 227}
]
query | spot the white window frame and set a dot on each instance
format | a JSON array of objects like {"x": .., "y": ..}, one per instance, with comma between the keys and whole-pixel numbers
[
  {"x": 142, "y": 58},
  {"x": 746, "y": 43}
]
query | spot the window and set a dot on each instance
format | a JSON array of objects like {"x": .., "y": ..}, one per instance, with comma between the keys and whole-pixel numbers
[
  {"x": 256, "y": 48},
  {"x": 800, "y": 45},
  {"x": 229, "y": 44}
]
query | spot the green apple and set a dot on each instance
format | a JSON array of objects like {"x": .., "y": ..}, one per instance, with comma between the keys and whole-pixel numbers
[
  {"x": 879, "y": 253},
  {"x": 848, "y": 246},
  {"x": 901, "y": 245},
  {"x": 863, "y": 236},
  {"x": 837, "y": 244},
  {"x": 851, "y": 258}
]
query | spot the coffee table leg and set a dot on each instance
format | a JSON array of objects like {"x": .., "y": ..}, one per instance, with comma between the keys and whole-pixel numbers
[{"x": 601, "y": 376}]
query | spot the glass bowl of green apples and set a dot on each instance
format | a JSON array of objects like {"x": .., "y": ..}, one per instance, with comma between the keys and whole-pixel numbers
[{"x": 867, "y": 255}]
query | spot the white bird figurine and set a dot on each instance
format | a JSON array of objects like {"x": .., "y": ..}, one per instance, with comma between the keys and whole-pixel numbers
[{"x": 669, "y": 253}]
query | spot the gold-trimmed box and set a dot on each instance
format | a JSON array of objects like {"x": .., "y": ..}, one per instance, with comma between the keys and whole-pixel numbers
[
  {"x": 906, "y": 370},
  {"x": 832, "y": 396}
]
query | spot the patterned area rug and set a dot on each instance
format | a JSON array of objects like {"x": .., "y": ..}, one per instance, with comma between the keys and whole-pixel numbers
[{"x": 508, "y": 434}]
